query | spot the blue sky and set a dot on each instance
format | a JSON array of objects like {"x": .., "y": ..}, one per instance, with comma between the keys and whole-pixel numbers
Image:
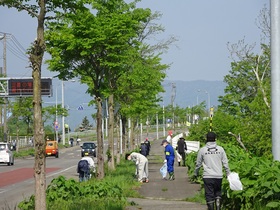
[{"x": 202, "y": 28}]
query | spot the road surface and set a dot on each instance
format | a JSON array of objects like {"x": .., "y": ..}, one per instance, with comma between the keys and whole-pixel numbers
[{"x": 17, "y": 182}]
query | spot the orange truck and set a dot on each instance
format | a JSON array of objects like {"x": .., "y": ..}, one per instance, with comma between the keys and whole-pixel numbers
[{"x": 52, "y": 148}]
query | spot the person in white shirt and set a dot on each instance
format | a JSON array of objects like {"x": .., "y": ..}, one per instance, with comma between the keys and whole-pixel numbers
[
  {"x": 169, "y": 138},
  {"x": 90, "y": 162},
  {"x": 141, "y": 165}
]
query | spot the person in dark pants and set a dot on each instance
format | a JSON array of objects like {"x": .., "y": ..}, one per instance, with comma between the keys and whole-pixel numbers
[
  {"x": 71, "y": 142},
  {"x": 182, "y": 149},
  {"x": 84, "y": 170},
  {"x": 170, "y": 157},
  {"x": 143, "y": 149},
  {"x": 148, "y": 145},
  {"x": 213, "y": 158}
]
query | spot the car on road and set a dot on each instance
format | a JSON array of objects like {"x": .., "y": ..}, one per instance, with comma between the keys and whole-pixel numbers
[
  {"x": 88, "y": 149},
  {"x": 6, "y": 154},
  {"x": 52, "y": 148}
]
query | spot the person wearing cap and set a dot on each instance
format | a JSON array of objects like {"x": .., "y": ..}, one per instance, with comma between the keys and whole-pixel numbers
[
  {"x": 182, "y": 149},
  {"x": 170, "y": 157},
  {"x": 213, "y": 158}
]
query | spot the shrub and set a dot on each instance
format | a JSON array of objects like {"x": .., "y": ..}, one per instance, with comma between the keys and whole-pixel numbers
[
  {"x": 259, "y": 175},
  {"x": 109, "y": 193}
]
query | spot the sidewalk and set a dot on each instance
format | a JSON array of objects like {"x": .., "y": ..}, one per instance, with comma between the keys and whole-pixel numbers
[{"x": 161, "y": 194}]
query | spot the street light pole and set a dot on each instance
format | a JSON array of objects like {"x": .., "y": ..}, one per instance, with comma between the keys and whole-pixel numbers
[
  {"x": 63, "y": 118},
  {"x": 163, "y": 120},
  {"x": 197, "y": 96},
  {"x": 209, "y": 105},
  {"x": 4, "y": 37},
  {"x": 275, "y": 76},
  {"x": 56, "y": 123}
]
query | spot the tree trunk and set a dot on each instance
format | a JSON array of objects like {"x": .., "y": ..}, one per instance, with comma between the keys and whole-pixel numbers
[
  {"x": 40, "y": 159},
  {"x": 111, "y": 161},
  {"x": 124, "y": 140},
  {"x": 118, "y": 155},
  {"x": 100, "y": 153},
  {"x": 36, "y": 57},
  {"x": 132, "y": 135}
]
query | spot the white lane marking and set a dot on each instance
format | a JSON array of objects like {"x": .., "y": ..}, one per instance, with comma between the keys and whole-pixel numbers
[
  {"x": 32, "y": 180},
  {"x": 66, "y": 169},
  {"x": 2, "y": 191}
]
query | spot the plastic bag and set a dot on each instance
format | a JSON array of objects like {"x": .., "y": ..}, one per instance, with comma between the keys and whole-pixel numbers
[
  {"x": 179, "y": 157},
  {"x": 163, "y": 170},
  {"x": 234, "y": 181}
]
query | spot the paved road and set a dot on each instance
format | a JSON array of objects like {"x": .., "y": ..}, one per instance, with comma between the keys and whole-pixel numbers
[
  {"x": 17, "y": 182},
  {"x": 21, "y": 182}
]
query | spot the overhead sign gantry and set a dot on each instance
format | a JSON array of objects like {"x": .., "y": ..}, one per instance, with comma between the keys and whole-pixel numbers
[{"x": 10, "y": 87}]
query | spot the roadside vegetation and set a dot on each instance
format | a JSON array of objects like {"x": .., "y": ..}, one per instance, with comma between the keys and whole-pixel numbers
[
  {"x": 243, "y": 126},
  {"x": 106, "y": 44},
  {"x": 24, "y": 153},
  {"x": 107, "y": 194}
]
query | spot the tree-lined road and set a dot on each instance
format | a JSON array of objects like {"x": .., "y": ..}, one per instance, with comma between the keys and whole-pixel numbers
[{"x": 17, "y": 182}]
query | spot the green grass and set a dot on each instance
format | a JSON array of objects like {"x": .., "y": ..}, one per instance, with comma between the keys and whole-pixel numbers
[
  {"x": 123, "y": 176},
  {"x": 198, "y": 198},
  {"x": 24, "y": 153},
  {"x": 87, "y": 204},
  {"x": 117, "y": 185}
]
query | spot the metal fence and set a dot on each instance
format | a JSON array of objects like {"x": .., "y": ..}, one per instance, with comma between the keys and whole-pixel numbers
[{"x": 21, "y": 141}]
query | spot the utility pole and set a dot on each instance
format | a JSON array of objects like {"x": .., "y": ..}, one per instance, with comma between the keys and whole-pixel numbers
[
  {"x": 275, "y": 76},
  {"x": 163, "y": 121},
  {"x": 4, "y": 107},
  {"x": 173, "y": 95}
]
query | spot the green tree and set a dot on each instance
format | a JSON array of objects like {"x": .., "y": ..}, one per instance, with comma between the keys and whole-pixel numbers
[
  {"x": 36, "y": 53},
  {"x": 138, "y": 90},
  {"x": 85, "y": 123},
  {"x": 22, "y": 111},
  {"x": 38, "y": 9},
  {"x": 247, "y": 96},
  {"x": 95, "y": 45}
]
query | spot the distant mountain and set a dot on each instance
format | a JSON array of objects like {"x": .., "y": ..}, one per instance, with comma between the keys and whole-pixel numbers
[
  {"x": 188, "y": 93},
  {"x": 191, "y": 93}
]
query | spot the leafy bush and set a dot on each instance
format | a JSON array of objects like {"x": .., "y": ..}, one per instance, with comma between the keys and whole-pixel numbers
[
  {"x": 259, "y": 175},
  {"x": 109, "y": 193},
  {"x": 76, "y": 193}
]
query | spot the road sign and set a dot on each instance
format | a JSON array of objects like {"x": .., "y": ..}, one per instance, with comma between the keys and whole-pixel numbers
[
  {"x": 56, "y": 125},
  {"x": 80, "y": 108}
]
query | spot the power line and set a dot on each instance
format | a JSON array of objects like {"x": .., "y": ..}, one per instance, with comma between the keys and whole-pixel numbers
[
  {"x": 18, "y": 44},
  {"x": 14, "y": 51},
  {"x": 15, "y": 47}
]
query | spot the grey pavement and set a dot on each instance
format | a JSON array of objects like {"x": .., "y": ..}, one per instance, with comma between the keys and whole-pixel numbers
[{"x": 161, "y": 194}]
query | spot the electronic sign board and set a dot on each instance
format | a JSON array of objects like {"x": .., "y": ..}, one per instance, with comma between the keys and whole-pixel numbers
[{"x": 24, "y": 87}]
